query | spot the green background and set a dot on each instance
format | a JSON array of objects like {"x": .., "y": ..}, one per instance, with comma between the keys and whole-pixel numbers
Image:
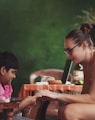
[{"x": 34, "y": 31}]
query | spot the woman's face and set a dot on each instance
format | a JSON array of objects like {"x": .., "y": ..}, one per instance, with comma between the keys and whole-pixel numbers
[{"x": 73, "y": 51}]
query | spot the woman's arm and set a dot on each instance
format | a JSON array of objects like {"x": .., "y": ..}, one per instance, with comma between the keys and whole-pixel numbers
[{"x": 82, "y": 98}]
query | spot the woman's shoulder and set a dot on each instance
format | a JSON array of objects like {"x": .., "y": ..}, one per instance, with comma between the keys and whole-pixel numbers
[
  {"x": 94, "y": 53},
  {"x": 93, "y": 59}
]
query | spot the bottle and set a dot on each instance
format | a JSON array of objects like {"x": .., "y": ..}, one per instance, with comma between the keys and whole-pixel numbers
[{"x": 78, "y": 76}]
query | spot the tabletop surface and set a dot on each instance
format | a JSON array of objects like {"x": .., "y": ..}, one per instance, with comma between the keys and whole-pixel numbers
[{"x": 27, "y": 88}]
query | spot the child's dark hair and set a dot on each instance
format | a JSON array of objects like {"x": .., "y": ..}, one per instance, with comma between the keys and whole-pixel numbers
[
  {"x": 9, "y": 60},
  {"x": 83, "y": 34}
]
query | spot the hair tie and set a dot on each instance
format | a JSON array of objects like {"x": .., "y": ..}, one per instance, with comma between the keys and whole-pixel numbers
[{"x": 87, "y": 30}]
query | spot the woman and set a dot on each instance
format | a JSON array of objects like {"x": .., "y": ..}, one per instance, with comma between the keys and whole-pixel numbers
[{"x": 78, "y": 46}]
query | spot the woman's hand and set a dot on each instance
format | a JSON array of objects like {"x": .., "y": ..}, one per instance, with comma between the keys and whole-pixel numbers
[{"x": 46, "y": 95}]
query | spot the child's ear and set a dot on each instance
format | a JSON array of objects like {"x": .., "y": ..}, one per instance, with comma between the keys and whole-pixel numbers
[{"x": 3, "y": 70}]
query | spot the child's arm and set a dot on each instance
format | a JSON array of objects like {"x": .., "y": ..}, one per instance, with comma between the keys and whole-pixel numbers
[
  {"x": 24, "y": 103},
  {"x": 1, "y": 101}
]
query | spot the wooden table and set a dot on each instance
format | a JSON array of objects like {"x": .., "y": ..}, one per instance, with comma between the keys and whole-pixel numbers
[
  {"x": 28, "y": 89},
  {"x": 41, "y": 107},
  {"x": 6, "y": 110}
]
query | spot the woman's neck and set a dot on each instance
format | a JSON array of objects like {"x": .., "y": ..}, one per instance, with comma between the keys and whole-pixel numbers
[{"x": 89, "y": 55}]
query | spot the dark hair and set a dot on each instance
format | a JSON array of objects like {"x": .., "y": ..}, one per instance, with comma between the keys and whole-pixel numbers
[
  {"x": 83, "y": 34},
  {"x": 9, "y": 60}
]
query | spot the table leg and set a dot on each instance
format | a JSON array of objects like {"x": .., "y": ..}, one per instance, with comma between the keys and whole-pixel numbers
[{"x": 8, "y": 114}]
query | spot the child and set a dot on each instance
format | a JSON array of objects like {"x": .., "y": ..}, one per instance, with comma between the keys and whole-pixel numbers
[{"x": 9, "y": 66}]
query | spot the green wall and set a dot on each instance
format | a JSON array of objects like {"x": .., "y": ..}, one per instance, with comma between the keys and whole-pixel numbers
[{"x": 35, "y": 29}]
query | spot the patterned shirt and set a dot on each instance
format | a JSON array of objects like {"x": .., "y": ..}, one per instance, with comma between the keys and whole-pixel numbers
[{"x": 5, "y": 92}]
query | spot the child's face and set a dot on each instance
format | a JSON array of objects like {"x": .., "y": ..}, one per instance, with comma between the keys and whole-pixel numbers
[{"x": 8, "y": 76}]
